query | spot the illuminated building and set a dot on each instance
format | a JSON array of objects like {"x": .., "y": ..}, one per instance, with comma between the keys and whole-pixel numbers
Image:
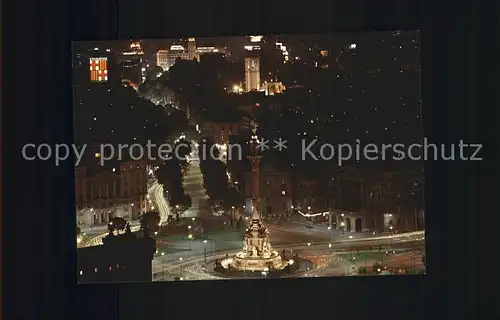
[
  {"x": 162, "y": 59},
  {"x": 324, "y": 53},
  {"x": 273, "y": 88},
  {"x": 166, "y": 58},
  {"x": 131, "y": 63},
  {"x": 191, "y": 49},
  {"x": 120, "y": 193},
  {"x": 210, "y": 49},
  {"x": 134, "y": 176},
  {"x": 256, "y": 38},
  {"x": 89, "y": 57},
  {"x": 98, "y": 69},
  {"x": 252, "y": 48},
  {"x": 255, "y": 44},
  {"x": 252, "y": 74},
  {"x": 284, "y": 51},
  {"x": 177, "y": 51}
]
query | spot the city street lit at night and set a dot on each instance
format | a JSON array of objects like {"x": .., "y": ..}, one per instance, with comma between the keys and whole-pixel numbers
[{"x": 253, "y": 157}]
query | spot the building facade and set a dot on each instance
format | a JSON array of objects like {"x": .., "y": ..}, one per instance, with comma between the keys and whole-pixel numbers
[
  {"x": 273, "y": 88},
  {"x": 185, "y": 50},
  {"x": 162, "y": 59},
  {"x": 384, "y": 202},
  {"x": 309, "y": 196},
  {"x": 131, "y": 63},
  {"x": 276, "y": 191},
  {"x": 252, "y": 74},
  {"x": 220, "y": 131},
  {"x": 94, "y": 66},
  {"x": 121, "y": 193}
]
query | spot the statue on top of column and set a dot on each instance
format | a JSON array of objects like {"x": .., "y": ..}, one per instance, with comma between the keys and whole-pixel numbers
[{"x": 253, "y": 126}]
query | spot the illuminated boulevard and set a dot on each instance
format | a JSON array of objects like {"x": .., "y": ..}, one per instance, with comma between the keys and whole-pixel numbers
[
  {"x": 331, "y": 252},
  {"x": 334, "y": 258}
]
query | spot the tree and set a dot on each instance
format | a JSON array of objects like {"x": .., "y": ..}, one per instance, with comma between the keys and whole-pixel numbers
[
  {"x": 363, "y": 270},
  {"x": 117, "y": 224},
  {"x": 180, "y": 201},
  {"x": 377, "y": 267},
  {"x": 150, "y": 222},
  {"x": 240, "y": 225},
  {"x": 232, "y": 198}
]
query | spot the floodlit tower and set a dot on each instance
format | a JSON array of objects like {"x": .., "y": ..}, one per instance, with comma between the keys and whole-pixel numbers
[{"x": 252, "y": 74}]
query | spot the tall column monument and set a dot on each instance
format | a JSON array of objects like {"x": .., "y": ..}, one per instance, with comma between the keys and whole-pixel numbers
[{"x": 257, "y": 253}]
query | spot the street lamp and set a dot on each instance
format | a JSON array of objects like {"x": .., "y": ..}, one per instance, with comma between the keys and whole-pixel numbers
[
  {"x": 205, "y": 250},
  {"x": 342, "y": 224},
  {"x": 190, "y": 237},
  {"x": 92, "y": 215},
  {"x": 163, "y": 265},
  {"x": 234, "y": 213},
  {"x": 180, "y": 259},
  {"x": 329, "y": 234}
]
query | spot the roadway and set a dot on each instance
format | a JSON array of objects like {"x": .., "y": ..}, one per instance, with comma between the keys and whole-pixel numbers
[
  {"x": 282, "y": 233},
  {"x": 193, "y": 186},
  {"x": 156, "y": 195},
  {"x": 167, "y": 267}
]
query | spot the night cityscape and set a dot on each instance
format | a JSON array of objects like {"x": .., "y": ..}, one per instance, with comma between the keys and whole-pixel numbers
[{"x": 253, "y": 184}]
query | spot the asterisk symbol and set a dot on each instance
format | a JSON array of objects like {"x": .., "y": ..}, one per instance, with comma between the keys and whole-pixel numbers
[
  {"x": 280, "y": 144},
  {"x": 262, "y": 145}
]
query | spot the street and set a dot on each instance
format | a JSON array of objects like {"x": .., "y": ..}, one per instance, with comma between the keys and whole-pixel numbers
[
  {"x": 156, "y": 195},
  {"x": 193, "y": 186},
  {"x": 188, "y": 264}
]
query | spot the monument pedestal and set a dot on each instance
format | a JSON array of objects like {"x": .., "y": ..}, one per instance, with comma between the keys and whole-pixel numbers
[{"x": 257, "y": 253}]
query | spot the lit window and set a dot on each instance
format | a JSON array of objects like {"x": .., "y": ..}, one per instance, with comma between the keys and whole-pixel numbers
[
  {"x": 97, "y": 67},
  {"x": 90, "y": 68},
  {"x": 100, "y": 78},
  {"x": 105, "y": 78},
  {"x": 95, "y": 270}
]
